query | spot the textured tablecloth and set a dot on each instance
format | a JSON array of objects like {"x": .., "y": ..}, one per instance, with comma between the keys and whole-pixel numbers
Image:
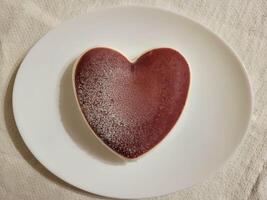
[{"x": 242, "y": 24}]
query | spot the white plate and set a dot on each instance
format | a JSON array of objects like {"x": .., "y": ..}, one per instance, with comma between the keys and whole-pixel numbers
[{"x": 212, "y": 124}]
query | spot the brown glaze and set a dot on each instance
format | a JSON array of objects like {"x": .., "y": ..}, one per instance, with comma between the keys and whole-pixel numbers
[{"x": 131, "y": 107}]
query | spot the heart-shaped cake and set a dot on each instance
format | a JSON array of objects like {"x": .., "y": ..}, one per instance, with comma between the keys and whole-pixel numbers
[{"x": 129, "y": 106}]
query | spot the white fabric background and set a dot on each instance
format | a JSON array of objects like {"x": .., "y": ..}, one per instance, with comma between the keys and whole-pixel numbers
[{"x": 241, "y": 23}]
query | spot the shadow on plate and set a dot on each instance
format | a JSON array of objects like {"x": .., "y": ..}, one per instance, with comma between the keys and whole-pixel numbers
[{"x": 76, "y": 126}]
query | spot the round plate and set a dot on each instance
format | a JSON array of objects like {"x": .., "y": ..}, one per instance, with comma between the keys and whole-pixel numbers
[{"x": 212, "y": 124}]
